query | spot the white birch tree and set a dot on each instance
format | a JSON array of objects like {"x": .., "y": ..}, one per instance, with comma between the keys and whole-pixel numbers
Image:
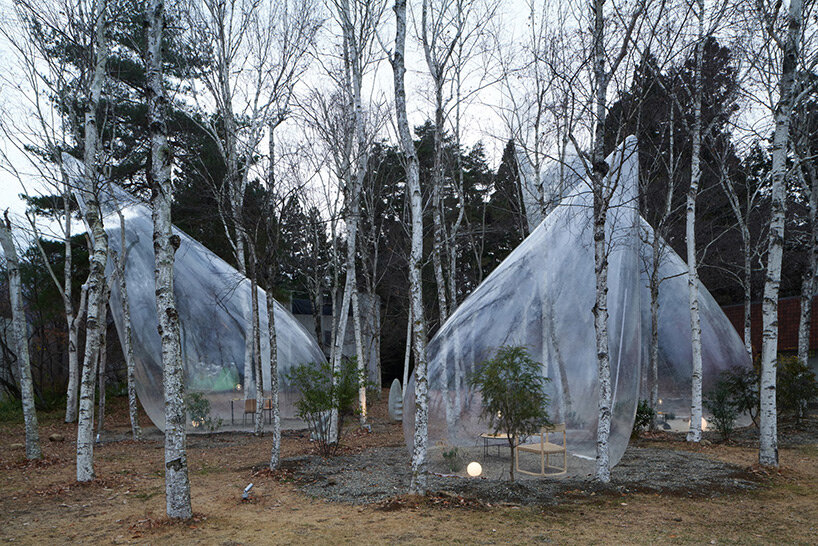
[
  {"x": 788, "y": 43},
  {"x": 165, "y": 244},
  {"x": 20, "y": 336},
  {"x": 602, "y": 189},
  {"x": 89, "y": 193},
  {"x": 418, "y": 484},
  {"x": 43, "y": 75}
]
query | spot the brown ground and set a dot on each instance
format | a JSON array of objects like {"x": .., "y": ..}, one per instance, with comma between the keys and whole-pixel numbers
[{"x": 41, "y": 502}]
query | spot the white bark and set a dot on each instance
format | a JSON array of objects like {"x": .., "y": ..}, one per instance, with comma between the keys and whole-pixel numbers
[
  {"x": 68, "y": 304},
  {"x": 258, "y": 418},
  {"x": 599, "y": 170},
  {"x": 99, "y": 255},
  {"x": 127, "y": 349},
  {"x": 275, "y": 450},
  {"x": 768, "y": 430},
  {"x": 357, "y": 30},
  {"x": 694, "y": 434},
  {"x": 407, "y": 352},
  {"x": 362, "y": 360},
  {"x": 808, "y": 281},
  {"x": 102, "y": 360},
  {"x": 602, "y": 192},
  {"x": 421, "y": 436},
  {"x": 165, "y": 243},
  {"x": 20, "y": 334}
]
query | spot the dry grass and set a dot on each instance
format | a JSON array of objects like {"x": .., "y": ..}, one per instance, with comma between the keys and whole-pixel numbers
[{"x": 41, "y": 503}]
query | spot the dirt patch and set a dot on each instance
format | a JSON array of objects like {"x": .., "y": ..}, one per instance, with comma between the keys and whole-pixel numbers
[
  {"x": 696, "y": 502},
  {"x": 379, "y": 474}
]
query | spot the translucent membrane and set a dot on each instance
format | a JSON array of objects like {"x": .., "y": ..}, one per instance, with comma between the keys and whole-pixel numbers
[
  {"x": 542, "y": 297},
  {"x": 214, "y": 306}
]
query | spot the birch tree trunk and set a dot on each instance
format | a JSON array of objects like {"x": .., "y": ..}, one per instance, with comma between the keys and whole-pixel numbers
[
  {"x": 436, "y": 69},
  {"x": 808, "y": 281},
  {"x": 165, "y": 244},
  {"x": 694, "y": 434},
  {"x": 768, "y": 430},
  {"x": 127, "y": 349},
  {"x": 354, "y": 80},
  {"x": 99, "y": 254},
  {"x": 654, "y": 326},
  {"x": 275, "y": 451},
  {"x": 599, "y": 171},
  {"x": 68, "y": 304},
  {"x": 20, "y": 331},
  {"x": 407, "y": 353},
  {"x": 102, "y": 359},
  {"x": 421, "y": 436},
  {"x": 258, "y": 418}
]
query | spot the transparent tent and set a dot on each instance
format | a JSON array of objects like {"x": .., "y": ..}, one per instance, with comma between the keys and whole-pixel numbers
[
  {"x": 213, "y": 301},
  {"x": 541, "y": 297}
]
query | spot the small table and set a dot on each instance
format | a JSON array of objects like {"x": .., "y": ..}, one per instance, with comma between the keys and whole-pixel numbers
[{"x": 487, "y": 436}]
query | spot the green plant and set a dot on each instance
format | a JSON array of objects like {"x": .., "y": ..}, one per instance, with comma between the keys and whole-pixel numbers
[
  {"x": 743, "y": 384},
  {"x": 513, "y": 393},
  {"x": 11, "y": 410},
  {"x": 453, "y": 459},
  {"x": 722, "y": 403},
  {"x": 198, "y": 412},
  {"x": 323, "y": 392},
  {"x": 796, "y": 386},
  {"x": 644, "y": 418}
]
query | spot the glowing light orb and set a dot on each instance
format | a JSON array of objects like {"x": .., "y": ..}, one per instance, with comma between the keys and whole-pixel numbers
[{"x": 474, "y": 469}]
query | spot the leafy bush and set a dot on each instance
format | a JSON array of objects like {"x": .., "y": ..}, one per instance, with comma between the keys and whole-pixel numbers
[
  {"x": 513, "y": 391},
  {"x": 723, "y": 404},
  {"x": 742, "y": 382},
  {"x": 796, "y": 386},
  {"x": 644, "y": 418},
  {"x": 198, "y": 411},
  {"x": 323, "y": 391}
]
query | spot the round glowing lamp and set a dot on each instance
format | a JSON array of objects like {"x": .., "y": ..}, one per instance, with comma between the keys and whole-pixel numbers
[{"x": 474, "y": 469}]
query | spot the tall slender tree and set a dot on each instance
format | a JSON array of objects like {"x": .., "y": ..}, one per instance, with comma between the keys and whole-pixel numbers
[
  {"x": 165, "y": 243},
  {"x": 789, "y": 45},
  {"x": 20, "y": 330},
  {"x": 421, "y": 436}
]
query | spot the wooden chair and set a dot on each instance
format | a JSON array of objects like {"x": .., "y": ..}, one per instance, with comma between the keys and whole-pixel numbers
[
  {"x": 268, "y": 407},
  {"x": 249, "y": 407},
  {"x": 545, "y": 449}
]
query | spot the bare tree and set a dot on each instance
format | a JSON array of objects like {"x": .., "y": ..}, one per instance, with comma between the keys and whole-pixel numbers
[
  {"x": 20, "y": 329},
  {"x": 89, "y": 193},
  {"x": 789, "y": 44},
  {"x": 421, "y": 436},
  {"x": 603, "y": 189},
  {"x": 165, "y": 244},
  {"x": 804, "y": 131},
  {"x": 41, "y": 143}
]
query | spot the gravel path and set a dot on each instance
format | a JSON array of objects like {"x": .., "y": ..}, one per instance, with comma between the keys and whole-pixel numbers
[{"x": 379, "y": 474}]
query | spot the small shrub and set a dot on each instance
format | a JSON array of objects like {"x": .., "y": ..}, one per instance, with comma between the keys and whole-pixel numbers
[
  {"x": 453, "y": 460},
  {"x": 11, "y": 410},
  {"x": 324, "y": 390},
  {"x": 722, "y": 404},
  {"x": 198, "y": 412},
  {"x": 796, "y": 386},
  {"x": 513, "y": 392},
  {"x": 743, "y": 386},
  {"x": 644, "y": 418}
]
